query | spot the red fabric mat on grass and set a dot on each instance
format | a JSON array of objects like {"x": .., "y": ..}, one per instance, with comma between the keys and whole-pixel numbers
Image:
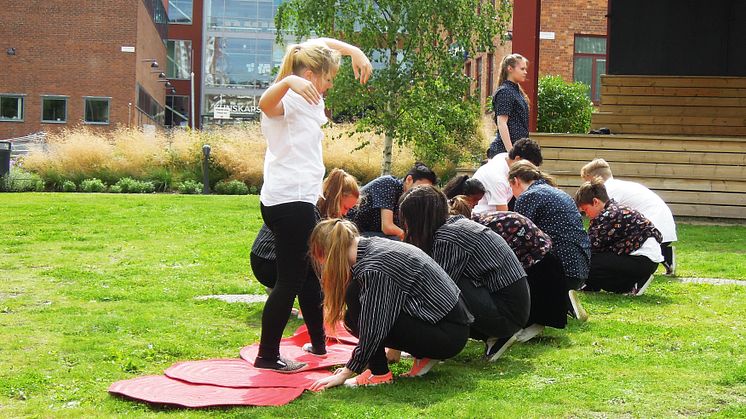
[
  {"x": 341, "y": 335},
  {"x": 336, "y": 354},
  {"x": 164, "y": 390},
  {"x": 239, "y": 373}
]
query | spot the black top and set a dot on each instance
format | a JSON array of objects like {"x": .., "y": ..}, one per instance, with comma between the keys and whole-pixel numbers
[
  {"x": 396, "y": 277},
  {"x": 555, "y": 213},
  {"x": 470, "y": 251},
  {"x": 380, "y": 193},
  {"x": 509, "y": 101}
]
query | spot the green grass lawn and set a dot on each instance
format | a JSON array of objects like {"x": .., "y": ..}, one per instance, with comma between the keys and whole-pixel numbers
[{"x": 99, "y": 288}]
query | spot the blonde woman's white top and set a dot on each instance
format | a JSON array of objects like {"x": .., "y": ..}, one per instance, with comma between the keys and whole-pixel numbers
[{"x": 293, "y": 164}]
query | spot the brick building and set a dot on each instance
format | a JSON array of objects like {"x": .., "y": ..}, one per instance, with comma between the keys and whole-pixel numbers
[
  {"x": 69, "y": 63},
  {"x": 572, "y": 45}
]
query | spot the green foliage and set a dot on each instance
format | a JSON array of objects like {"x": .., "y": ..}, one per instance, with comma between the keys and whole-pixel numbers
[
  {"x": 190, "y": 187},
  {"x": 92, "y": 185},
  {"x": 129, "y": 185},
  {"x": 231, "y": 187},
  {"x": 563, "y": 107},
  {"x": 416, "y": 94},
  {"x": 69, "y": 186},
  {"x": 19, "y": 180}
]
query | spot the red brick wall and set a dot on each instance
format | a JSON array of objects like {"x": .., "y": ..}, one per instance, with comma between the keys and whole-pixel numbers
[
  {"x": 70, "y": 48},
  {"x": 149, "y": 46},
  {"x": 566, "y": 18}
]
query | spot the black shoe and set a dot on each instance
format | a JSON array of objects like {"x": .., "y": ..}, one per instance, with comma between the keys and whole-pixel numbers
[
  {"x": 495, "y": 347},
  {"x": 279, "y": 365}
]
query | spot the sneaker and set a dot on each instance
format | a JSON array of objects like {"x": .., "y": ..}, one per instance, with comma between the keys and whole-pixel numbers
[
  {"x": 368, "y": 379},
  {"x": 279, "y": 365},
  {"x": 495, "y": 347},
  {"x": 528, "y": 333},
  {"x": 300, "y": 315},
  {"x": 671, "y": 267},
  {"x": 640, "y": 290},
  {"x": 308, "y": 347},
  {"x": 577, "y": 311},
  {"x": 420, "y": 367}
]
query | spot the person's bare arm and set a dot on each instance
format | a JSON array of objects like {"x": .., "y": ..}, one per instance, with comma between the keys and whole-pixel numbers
[
  {"x": 387, "y": 224},
  {"x": 502, "y": 128},
  {"x": 271, "y": 101}
]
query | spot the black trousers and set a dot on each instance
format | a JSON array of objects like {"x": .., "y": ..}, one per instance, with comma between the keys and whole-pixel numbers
[
  {"x": 618, "y": 273},
  {"x": 265, "y": 270},
  {"x": 441, "y": 340},
  {"x": 499, "y": 314},
  {"x": 667, "y": 252},
  {"x": 547, "y": 282},
  {"x": 291, "y": 224}
]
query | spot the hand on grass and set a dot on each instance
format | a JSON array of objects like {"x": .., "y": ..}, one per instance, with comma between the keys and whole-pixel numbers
[{"x": 338, "y": 378}]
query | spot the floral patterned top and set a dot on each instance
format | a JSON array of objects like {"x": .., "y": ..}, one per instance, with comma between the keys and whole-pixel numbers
[
  {"x": 621, "y": 230},
  {"x": 528, "y": 242}
]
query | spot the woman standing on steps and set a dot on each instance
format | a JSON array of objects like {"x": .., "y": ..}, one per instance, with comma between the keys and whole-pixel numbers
[{"x": 510, "y": 104}]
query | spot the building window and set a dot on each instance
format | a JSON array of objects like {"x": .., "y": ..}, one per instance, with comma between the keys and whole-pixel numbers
[
  {"x": 589, "y": 62},
  {"x": 254, "y": 15},
  {"x": 179, "y": 59},
  {"x": 54, "y": 109},
  {"x": 11, "y": 107},
  {"x": 242, "y": 62},
  {"x": 479, "y": 79},
  {"x": 149, "y": 106},
  {"x": 177, "y": 111},
  {"x": 180, "y": 11},
  {"x": 96, "y": 110}
]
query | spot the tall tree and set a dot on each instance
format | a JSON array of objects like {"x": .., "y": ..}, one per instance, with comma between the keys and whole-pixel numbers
[{"x": 419, "y": 93}]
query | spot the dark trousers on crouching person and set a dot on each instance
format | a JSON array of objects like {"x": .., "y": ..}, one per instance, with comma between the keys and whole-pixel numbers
[
  {"x": 264, "y": 270},
  {"x": 442, "y": 340},
  {"x": 618, "y": 273},
  {"x": 497, "y": 314},
  {"x": 291, "y": 224},
  {"x": 548, "y": 286}
]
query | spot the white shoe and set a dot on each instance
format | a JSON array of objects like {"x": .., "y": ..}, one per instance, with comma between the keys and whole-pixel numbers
[
  {"x": 577, "y": 309},
  {"x": 495, "y": 347},
  {"x": 637, "y": 291},
  {"x": 524, "y": 335}
]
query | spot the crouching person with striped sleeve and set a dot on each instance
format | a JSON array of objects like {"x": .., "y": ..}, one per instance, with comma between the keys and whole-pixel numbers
[
  {"x": 484, "y": 267},
  {"x": 395, "y": 296}
]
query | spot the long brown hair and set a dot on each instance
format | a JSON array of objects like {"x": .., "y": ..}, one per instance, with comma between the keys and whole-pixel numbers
[
  {"x": 422, "y": 210},
  {"x": 336, "y": 186},
  {"x": 459, "y": 205},
  {"x": 311, "y": 55},
  {"x": 330, "y": 242},
  {"x": 511, "y": 61},
  {"x": 525, "y": 171}
]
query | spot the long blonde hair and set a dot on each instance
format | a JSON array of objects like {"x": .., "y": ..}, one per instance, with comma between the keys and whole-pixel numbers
[
  {"x": 511, "y": 61},
  {"x": 525, "y": 171},
  {"x": 310, "y": 55},
  {"x": 330, "y": 242},
  {"x": 336, "y": 186}
]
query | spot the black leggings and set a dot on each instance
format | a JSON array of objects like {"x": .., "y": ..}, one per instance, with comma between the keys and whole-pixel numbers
[
  {"x": 498, "y": 314},
  {"x": 547, "y": 282},
  {"x": 291, "y": 224},
  {"x": 441, "y": 340},
  {"x": 618, "y": 273},
  {"x": 265, "y": 270}
]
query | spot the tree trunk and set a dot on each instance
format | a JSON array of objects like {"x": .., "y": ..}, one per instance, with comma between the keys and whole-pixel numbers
[{"x": 388, "y": 142}]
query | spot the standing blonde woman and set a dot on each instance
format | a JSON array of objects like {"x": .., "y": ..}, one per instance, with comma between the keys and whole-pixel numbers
[
  {"x": 292, "y": 116},
  {"x": 510, "y": 104}
]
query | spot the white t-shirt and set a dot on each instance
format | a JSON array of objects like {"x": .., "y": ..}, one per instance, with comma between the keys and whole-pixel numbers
[
  {"x": 494, "y": 177},
  {"x": 647, "y": 202},
  {"x": 293, "y": 165},
  {"x": 650, "y": 249}
]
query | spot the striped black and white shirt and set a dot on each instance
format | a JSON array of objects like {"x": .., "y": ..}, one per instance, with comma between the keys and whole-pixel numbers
[
  {"x": 264, "y": 243},
  {"x": 470, "y": 251},
  {"x": 396, "y": 277}
]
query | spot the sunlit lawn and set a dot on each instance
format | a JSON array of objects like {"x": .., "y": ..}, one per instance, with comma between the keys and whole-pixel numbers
[{"x": 100, "y": 288}]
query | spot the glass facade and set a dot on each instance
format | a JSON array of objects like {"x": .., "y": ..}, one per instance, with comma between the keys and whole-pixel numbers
[
  {"x": 180, "y": 11},
  {"x": 179, "y": 59},
  {"x": 54, "y": 109},
  {"x": 149, "y": 106},
  {"x": 11, "y": 108},
  {"x": 240, "y": 56},
  {"x": 177, "y": 111},
  {"x": 589, "y": 63},
  {"x": 96, "y": 110}
]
